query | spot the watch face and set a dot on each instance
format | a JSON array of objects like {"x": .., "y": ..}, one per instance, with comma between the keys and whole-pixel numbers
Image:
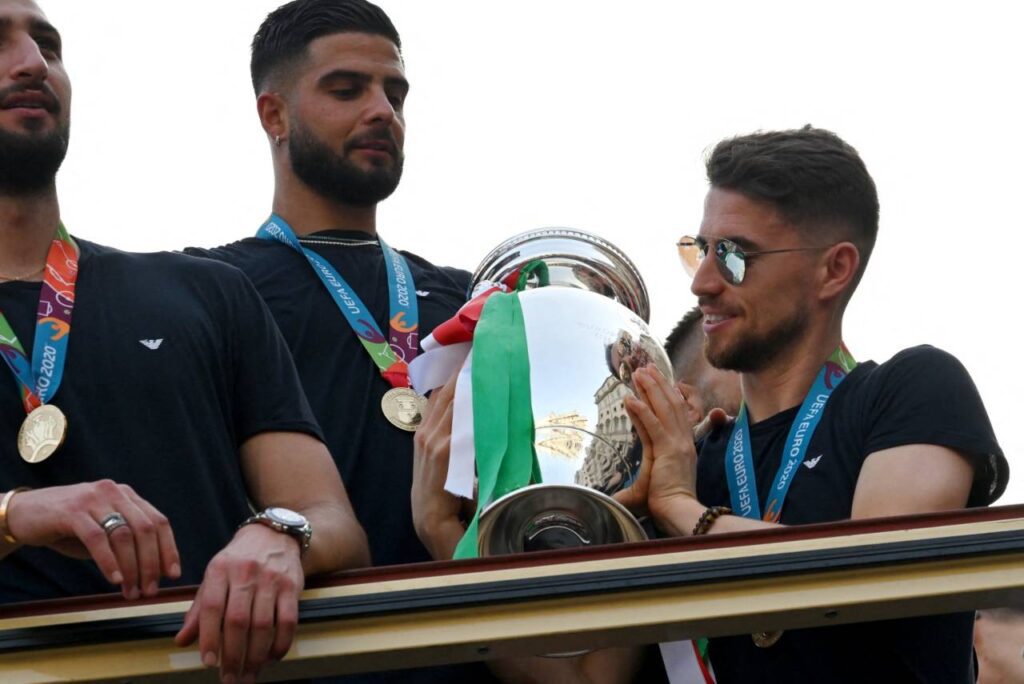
[{"x": 286, "y": 517}]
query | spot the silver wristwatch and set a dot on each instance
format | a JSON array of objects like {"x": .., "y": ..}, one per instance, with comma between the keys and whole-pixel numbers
[{"x": 286, "y": 521}]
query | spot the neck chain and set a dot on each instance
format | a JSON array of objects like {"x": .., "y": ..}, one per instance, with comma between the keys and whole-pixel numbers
[
  {"x": 14, "y": 279},
  {"x": 337, "y": 241}
]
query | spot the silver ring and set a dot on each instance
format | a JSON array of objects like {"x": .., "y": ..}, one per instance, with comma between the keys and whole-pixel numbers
[{"x": 112, "y": 522}]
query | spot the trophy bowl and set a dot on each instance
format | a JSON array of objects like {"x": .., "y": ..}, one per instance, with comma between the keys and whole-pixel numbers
[
  {"x": 587, "y": 333},
  {"x": 574, "y": 259}
]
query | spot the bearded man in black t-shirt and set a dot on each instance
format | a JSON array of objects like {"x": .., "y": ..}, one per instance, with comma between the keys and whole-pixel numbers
[
  {"x": 149, "y": 403},
  {"x": 789, "y": 223},
  {"x": 330, "y": 85}
]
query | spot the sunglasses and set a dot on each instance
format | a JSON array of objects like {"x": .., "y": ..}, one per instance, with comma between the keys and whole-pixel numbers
[{"x": 730, "y": 258}]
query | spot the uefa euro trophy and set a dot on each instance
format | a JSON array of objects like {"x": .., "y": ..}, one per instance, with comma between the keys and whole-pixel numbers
[{"x": 550, "y": 365}]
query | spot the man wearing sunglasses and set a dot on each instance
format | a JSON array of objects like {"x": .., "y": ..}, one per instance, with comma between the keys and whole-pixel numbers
[{"x": 789, "y": 223}]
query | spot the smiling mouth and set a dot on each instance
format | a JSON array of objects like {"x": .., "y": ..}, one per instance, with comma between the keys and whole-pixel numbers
[{"x": 714, "y": 321}]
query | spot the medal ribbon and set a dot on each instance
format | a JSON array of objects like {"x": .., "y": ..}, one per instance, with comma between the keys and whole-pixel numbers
[
  {"x": 40, "y": 378},
  {"x": 392, "y": 359},
  {"x": 739, "y": 463}
]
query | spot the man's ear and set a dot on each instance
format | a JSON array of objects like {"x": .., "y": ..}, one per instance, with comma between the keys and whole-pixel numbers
[
  {"x": 273, "y": 113},
  {"x": 838, "y": 269}
]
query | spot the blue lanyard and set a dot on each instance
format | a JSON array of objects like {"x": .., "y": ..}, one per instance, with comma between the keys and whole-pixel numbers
[
  {"x": 739, "y": 463},
  {"x": 393, "y": 358}
]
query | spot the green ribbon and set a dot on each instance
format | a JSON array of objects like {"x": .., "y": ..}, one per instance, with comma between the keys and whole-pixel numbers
[
  {"x": 502, "y": 408},
  {"x": 537, "y": 267}
]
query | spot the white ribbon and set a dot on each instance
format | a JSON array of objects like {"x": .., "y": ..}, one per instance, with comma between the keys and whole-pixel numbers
[
  {"x": 681, "y": 663},
  {"x": 462, "y": 458}
]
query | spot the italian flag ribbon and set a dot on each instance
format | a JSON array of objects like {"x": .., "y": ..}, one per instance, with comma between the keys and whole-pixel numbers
[
  {"x": 502, "y": 410},
  {"x": 492, "y": 426},
  {"x": 492, "y": 423}
]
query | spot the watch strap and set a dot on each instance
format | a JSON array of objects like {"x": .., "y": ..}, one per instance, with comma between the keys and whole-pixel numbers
[{"x": 301, "y": 533}]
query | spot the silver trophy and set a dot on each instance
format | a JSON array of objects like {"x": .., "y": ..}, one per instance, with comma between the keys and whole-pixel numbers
[{"x": 588, "y": 335}]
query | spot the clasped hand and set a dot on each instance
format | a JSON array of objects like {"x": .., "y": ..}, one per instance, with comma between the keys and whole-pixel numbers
[{"x": 664, "y": 422}]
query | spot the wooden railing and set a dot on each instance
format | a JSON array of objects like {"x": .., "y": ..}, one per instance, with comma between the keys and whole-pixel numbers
[{"x": 431, "y": 613}]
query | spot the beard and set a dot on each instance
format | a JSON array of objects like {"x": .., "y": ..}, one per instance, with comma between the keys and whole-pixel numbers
[
  {"x": 29, "y": 162},
  {"x": 334, "y": 177},
  {"x": 752, "y": 353}
]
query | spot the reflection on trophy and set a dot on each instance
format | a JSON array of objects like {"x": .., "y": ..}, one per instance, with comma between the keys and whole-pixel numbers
[{"x": 586, "y": 331}]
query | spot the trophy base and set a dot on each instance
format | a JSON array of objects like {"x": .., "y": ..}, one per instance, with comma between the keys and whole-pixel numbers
[{"x": 547, "y": 517}]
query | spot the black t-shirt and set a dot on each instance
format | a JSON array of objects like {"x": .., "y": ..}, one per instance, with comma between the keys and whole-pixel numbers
[
  {"x": 345, "y": 387},
  {"x": 921, "y": 396},
  {"x": 342, "y": 383},
  {"x": 173, "y": 362}
]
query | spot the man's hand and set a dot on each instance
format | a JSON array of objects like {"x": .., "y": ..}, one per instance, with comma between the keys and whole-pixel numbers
[
  {"x": 247, "y": 607},
  {"x": 246, "y": 610},
  {"x": 69, "y": 519},
  {"x": 435, "y": 512},
  {"x": 659, "y": 414}
]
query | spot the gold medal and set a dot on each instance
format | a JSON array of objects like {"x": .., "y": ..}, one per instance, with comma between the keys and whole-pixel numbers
[
  {"x": 42, "y": 433},
  {"x": 766, "y": 639},
  {"x": 403, "y": 408}
]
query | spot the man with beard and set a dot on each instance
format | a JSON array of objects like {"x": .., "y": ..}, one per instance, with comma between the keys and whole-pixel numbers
[
  {"x": 330, "y": 86},
  {"x": 135, "y": 433},
  {"x": 789, "y": 223}
]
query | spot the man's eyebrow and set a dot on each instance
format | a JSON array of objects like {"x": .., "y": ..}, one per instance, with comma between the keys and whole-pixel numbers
[
  {"x": 360, "y": 77},
  {"x": 36, "y": 26},
  {"x": 343, "y": 74},
  {"x": 742, "y": 242}
]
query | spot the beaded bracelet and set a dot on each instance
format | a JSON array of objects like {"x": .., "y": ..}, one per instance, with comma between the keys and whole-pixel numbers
[{"x": 708, "y": 517}]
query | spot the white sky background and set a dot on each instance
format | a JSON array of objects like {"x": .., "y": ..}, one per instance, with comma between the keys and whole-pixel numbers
[{"x": 596, "y": 115}]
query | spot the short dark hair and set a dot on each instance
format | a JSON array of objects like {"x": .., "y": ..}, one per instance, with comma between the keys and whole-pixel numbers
[
  {"x": 286, "y": 33},
  {"x": 686, "y": 326},
  {"x": 814, "y": 179}
]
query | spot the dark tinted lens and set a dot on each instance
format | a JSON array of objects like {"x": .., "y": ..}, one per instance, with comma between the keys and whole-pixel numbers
[{"x": 731, "y": 260}]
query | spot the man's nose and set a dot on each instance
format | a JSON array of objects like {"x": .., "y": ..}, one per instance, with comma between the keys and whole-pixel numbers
[
  {"x": 29, "y": 64},
  {"x": 708, "y": 280},
  {"x": 380, "y": 109}
]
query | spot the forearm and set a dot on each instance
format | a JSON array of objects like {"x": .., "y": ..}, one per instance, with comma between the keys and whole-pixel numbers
[
  {"x": 295, "y": 471},
  {"x": 338, "y": 543},
  {"x": 441, "y": 538},
  {"x": 678, "y": 516}
]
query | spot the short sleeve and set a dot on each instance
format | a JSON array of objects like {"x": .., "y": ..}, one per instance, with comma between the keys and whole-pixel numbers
[
  {"x": 924, "y": 395},
  {"x": 268, "y": 395}
]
